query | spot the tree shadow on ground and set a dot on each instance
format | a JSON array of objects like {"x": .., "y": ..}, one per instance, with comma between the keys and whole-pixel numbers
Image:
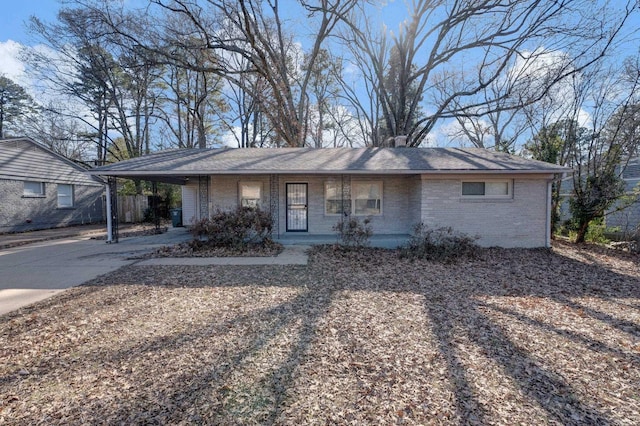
[{"x": 455, "y": 301}]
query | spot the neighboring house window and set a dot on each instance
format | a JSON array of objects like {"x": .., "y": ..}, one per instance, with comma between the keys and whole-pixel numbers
[
  {"x": 65, "y": 195},
  {"x": 488, "y": 189},
  {"x": 333, "y": 203},
  {"x": 250, "y": 194},
  {"x": 367, "y": 198},
  {"x": 33, "y": 189}
]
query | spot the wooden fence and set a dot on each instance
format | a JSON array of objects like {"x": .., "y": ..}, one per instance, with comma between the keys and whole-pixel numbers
[{"x": 131, "y": 208}]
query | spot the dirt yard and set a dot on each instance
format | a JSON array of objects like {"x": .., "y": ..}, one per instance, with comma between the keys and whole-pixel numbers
[{"x": 512, "y": 337}]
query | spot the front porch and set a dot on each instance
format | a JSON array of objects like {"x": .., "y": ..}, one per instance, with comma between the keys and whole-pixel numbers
[{"x": 389, "y": 241}]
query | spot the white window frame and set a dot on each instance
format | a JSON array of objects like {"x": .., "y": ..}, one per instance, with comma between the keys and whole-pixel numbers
[
  {"x": 27, "y": 192},
  {"x": 508, "y": 195},
  {"x": 380, "y": 203},
  {"x": 65, "y": 200},
  {"x": 338, "y": 186},
  {"x": 242, "y": 198}
]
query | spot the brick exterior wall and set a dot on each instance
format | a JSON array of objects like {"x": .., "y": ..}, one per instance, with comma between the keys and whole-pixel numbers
[
  {"x": 224, "y": 191},
  {"x": 519, "y": 221},
  {"x": 516, "y": 222},
  {"x": 415, "y": 200},
  {"x": 19, "y": 213},
  {"x": 396, "y": 213}
]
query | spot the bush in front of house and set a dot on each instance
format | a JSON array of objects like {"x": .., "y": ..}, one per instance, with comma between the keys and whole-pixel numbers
[
  {"x": 354, "y": 233},
  {"x": 440, "y": 244},
  {"x": 235, "y": 229}
]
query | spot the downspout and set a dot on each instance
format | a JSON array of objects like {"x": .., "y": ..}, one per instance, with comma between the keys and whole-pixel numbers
[
  {"x": 109, "y": 221},
  {"x": 548, "y": 215}
]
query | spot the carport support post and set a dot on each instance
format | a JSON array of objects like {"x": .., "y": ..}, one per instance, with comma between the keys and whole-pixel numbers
[
  {"x": 109, "y": 223},
  {"x": 112, "y": 210},
  {"x": 154, "y": 205}
]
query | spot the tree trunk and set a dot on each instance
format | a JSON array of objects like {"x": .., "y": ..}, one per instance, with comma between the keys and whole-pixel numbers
[{"x": 582, "y": 231}]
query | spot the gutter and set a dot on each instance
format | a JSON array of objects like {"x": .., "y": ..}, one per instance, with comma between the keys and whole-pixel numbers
[
  {"x": 548, "y": 215},
  {"x": 188, "y": 173}
]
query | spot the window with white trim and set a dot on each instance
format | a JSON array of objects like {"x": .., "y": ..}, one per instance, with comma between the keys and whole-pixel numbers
[
  {"x": 487, "y": 189},
  {"x": 333, "y": 202},
  {"x": 65, "y": 195},
  {"x": 33, "y": 189},
  {"x": 250, "y": 194},
  {"x": 367, "y": 198}
]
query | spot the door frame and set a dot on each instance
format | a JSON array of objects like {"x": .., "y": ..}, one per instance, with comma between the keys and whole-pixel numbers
[{"x": 306, "y": 206}]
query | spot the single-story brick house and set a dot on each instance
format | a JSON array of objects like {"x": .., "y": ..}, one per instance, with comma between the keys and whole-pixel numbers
[
  {"x": 504, "y": 199},
  {"x": 41, "y": 189}
]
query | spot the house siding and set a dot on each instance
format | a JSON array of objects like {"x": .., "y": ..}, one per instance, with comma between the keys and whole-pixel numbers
[
  {"x": 24, "y": 160},
  {"x": 190, "y": 210},
  {"x": 19, "y": 213},
  {"x": 21, "y": 159},
  {"x": 399, "y": 210},
  {"x": 396, "y": 212},
  {"x": 626, "y": 220},
  {"x": 224, "y": 191},
  {"x": 519, "y": 221},
  {"x": 415, "y": 200}
]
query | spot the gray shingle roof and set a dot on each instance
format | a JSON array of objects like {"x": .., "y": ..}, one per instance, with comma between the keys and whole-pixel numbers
[
  {"x": 25, "y": 159},
  {"x": 191, "y": 162}
]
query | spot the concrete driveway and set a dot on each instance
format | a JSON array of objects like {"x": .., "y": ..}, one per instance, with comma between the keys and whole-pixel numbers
[{"x": 35, "y": 271}]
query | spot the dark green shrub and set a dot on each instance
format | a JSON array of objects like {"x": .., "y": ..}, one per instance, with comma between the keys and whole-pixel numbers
[
  {"x": 354, "y": 233},
  {"x": 236, "y": 229},
  {"x": 148, "y": 216},
  {"x": 441, "y": 244}
]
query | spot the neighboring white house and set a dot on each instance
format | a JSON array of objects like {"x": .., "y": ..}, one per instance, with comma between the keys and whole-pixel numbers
[
  {"x": 627, "y": 220},
  {"x": 41, "y": 189},
  {"x": 504, "y": 199},
  {"x": 624, "y": 215}
]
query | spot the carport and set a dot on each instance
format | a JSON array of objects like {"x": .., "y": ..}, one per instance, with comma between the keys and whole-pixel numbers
[{"x": 112, "y": 198}]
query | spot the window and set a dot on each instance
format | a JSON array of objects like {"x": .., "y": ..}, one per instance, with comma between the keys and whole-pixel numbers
[
  {"x": 367, "y": 198},
  {"x": 489, "y": 189},
  {"x": 333, "y": 203},
  {"x": 33, "y": 189},
  {"x": 250, "y": 194},
  {"x": 65, "y": 195}
]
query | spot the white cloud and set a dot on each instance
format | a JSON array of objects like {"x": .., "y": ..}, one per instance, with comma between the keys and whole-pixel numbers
[
  {"x": 453, "y": 132},
  {"x": 10, "y": 64},
  {"x": 230, "y": 138}
]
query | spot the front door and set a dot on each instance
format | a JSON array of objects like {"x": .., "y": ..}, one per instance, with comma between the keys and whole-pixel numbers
[{"x": 297, "y": 208}]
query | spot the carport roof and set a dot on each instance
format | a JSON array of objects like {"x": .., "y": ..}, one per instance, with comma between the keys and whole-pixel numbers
[{"x": 182, "y": 163}]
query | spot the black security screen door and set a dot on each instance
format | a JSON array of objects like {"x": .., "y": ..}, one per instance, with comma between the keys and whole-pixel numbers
[{"x": 297, "y": 207}]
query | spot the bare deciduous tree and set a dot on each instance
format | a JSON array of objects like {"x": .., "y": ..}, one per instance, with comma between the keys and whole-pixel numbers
[
  {"x": 452, "y": 51},
  {"x": 599, "y": 147},
  {"x": 256, "y": 31}
]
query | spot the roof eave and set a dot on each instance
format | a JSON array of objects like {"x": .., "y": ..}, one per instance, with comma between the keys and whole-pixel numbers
[{"x": 142, "y": 174}]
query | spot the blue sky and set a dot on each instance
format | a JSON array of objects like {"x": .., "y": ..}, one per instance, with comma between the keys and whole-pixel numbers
[{"x": 15, "y": 13}]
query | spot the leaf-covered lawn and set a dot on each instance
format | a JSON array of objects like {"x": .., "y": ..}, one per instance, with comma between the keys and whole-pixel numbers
[{"x": 515, "y": 336}]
